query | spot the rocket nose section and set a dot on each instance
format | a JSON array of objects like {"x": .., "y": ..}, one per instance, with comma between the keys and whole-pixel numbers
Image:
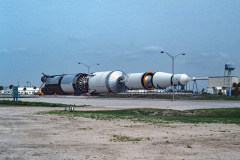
[{"x": 184, "y": 79}]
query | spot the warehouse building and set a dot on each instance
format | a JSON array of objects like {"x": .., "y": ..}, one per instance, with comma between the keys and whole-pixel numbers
[
  {"x": 220, "y": 83},
  {"x": 21, "y": 91},
  {"x": 27, "y": 90}
]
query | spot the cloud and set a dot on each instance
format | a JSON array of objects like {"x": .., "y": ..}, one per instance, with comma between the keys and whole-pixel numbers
[
  {"x": 152, "y": 48},
  {"x": 224, "y": 55},
  {"x": 4, "y": 50},
  {"x": 140, "y": 53},
  {"x": 128, "y": 55},
  {"x": 14, "y": 50},
  {"x": 20, "y": 49},
  {"x": 217, "y": 56},
  {"x": 75, "y": 39},
  {"x": 124, "y": 53},
  {"x": 205, "y": 54},
  {"x": 209, "y": 63}
]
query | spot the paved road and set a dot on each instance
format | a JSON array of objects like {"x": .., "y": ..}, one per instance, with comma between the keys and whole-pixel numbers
[{"x": 137, "y": 103}]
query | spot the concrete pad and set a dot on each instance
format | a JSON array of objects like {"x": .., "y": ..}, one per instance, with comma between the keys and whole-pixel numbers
[{"x": 124, "y": 103}]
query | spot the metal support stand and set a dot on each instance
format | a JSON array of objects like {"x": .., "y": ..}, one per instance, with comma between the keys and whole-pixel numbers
[{"x": 195, "y": 84}]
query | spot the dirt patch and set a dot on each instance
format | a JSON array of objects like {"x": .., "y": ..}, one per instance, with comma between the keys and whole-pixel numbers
[{"x": 26, "y": 135}]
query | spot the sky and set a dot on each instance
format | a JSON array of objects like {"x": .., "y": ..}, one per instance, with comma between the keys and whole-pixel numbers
[{"x": 51, "y": 36}]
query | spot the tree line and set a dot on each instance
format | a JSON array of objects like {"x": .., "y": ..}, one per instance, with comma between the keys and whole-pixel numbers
[{"x": 236, "y": 89}]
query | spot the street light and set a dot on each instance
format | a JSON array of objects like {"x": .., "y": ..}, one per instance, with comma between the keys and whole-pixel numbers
[
  {"x": 88, "y": 68},
  {"x": 173, "y": 58},
  {"x": 28, "y": 83}
]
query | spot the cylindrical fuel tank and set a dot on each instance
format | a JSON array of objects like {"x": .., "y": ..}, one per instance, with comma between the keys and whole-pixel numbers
[
  {"x": 139, "y": 81},
  {"x": 70, "y": 81},
  {"x": 181, "y": 79},
  {"x": 162, "y": 80},
  {"x": 66, "y": 83},
  {"x": 116, "y": 81},
  {"x": 107, "y": 82},
  {"x": 53, "y": 84}
]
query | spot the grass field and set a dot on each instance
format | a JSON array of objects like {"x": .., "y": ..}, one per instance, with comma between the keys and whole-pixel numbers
[
  {"x": 226, "y": 115},
  {"x": 177, "y": 96},
  {"x": 39, "y": 104},
  {"x": 20, "y": 97}
]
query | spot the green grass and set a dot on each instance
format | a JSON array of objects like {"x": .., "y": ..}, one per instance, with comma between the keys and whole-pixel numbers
[
  {"x": 215, "y": 97},
  {"x": 40, "y": 104},
  {"x": 169, "y": 96},
  {"x": 188, "y": 146},
  {"x": 120, "y": 138},
  {"x": 21, "y": 97},
  {"x": 225, "y": 115}
]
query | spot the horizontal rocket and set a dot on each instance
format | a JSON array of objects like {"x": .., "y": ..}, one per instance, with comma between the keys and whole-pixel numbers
[{"x": 109, "y": 82}]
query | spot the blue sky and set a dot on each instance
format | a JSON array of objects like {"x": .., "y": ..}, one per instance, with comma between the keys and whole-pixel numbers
[{"x": 51, "y": 36}]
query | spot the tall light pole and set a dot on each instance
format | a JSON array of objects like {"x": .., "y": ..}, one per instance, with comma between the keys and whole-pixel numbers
[
  {"x": 173, "y": 58},
  {"x": 88, "y": 68}
]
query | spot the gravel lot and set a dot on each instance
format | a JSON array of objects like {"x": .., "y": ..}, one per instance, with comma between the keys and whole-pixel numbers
[{"x": 26, "y": 135}]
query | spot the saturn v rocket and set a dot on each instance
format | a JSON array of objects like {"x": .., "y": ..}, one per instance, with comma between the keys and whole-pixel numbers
[{"x": 109, "y": 82}]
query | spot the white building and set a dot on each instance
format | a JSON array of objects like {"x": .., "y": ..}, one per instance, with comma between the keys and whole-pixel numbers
[
  {"x": 27, "y": 90},
  {"x": 215, "y": 84},
  {"x": 6, "y": 92},
  {"x": 21, "y": 91}
]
